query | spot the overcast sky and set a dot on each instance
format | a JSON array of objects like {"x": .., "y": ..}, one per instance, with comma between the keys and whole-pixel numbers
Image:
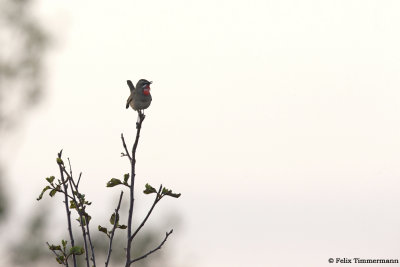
[{"x": 278, "y": 121}]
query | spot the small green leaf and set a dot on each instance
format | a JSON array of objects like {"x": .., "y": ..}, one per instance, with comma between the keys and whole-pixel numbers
[
  {"x": 54, "y": 247},
  {"x": 60, "y": 161},
  {"x": 112, "y": 219},
  {"x": 76, "y": 250},
  {"x": 72, "y": 204},
  {"x": 80, "y": 196},
  {"x": 122, "y": 226},
  {"x": 168, "y": 192},
  {"x": 60, "y": 259},
  {"x": 41, "y": 194},
  {"x": 64, "y": 243},
  {"x": 83, "y": 223},
  {"x": 113, "y": 182},
  {"x": 103, "y": 229},
  {"x": 53, "y": 192},
  {"x": 50, "y": 179},
  {"x": 126, "y": 178},
  {"x": 149, "y": 189},
  {"x": 175, "y": 195},
  {"x": 88, "y": 217}
]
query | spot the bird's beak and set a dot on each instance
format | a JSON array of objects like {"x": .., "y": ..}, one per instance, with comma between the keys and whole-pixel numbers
[{"x": 151, "y": 82}]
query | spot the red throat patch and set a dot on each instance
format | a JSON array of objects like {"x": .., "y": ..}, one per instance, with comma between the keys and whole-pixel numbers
[{"x": 146, "y": 91}]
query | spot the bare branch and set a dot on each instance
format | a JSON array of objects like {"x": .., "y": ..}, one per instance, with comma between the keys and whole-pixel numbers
[
  {"x": 71, "y": 236},
  {"x": 81, "y": 216},
  {"x": 132, "y": 188},
  {"x": 158, "y": 197},
  {"x": 113, "y": 229},
  {"x": 126, "y": 149},
  {"x": 79, "y": 179},
  {"x": 154, "y": 250},
  {"x": 70, "y": 167},
  {"x": 90, "y": 241}
]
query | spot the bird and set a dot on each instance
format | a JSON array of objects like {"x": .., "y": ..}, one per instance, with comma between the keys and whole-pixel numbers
[{"x": 140, "y": 97}]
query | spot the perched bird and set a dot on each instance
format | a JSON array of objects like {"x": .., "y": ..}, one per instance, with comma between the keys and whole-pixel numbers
[{"x": 140, "y": 97}]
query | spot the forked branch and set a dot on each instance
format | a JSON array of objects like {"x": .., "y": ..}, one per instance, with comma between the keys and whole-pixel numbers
[{"x": 154, "y": 250}]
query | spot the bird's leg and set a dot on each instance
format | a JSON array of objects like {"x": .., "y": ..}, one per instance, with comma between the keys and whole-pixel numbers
[
  {"x": 142, "y": 116},
  {"x": 137, "y": 120}
]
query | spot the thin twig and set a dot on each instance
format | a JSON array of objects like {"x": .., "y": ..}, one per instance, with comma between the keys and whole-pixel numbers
[
  {"x": 55, "y": 253},
  {"x": 70, "y": 167},
  {"x": 81, "y": 218},
  {"x": 90, "y": 241},
  {"x": 79, "y": 179},
  {"x": 132, "y": 189},
  {"x": 82, "y": 215},
  {"x": 158, "y": 197},
  {"x": 126, "y": 149},
  {"x": 113, "y": 229},
  {"x": 74, "y": 188},
  {"x": 154, "y": 250},
  {"x": 71, "y": 236}
]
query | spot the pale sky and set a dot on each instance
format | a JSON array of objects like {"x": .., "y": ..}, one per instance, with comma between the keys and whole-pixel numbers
[{"x": 278, "y": 121}]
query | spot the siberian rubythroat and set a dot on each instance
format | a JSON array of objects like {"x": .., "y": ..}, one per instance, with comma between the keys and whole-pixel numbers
[{"x": 140, "y": 97}]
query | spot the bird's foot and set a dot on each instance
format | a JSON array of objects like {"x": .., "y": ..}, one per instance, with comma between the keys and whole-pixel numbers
[
  {"x": 140, "y": 118},
  {"x": 141, "y": 115}
]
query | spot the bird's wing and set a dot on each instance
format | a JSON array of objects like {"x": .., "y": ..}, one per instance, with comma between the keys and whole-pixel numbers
[
  {"x": 130, "y": 84},
  {"x": 131, "y": 88},
  {"x": 128, "y": 101}
]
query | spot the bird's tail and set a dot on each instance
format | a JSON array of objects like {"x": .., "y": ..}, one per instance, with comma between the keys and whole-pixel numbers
[{"x": 130, "y": 84}]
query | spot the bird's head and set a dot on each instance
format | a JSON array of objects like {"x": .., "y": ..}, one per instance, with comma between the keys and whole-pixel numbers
[{"x": 144, "y": 86}]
